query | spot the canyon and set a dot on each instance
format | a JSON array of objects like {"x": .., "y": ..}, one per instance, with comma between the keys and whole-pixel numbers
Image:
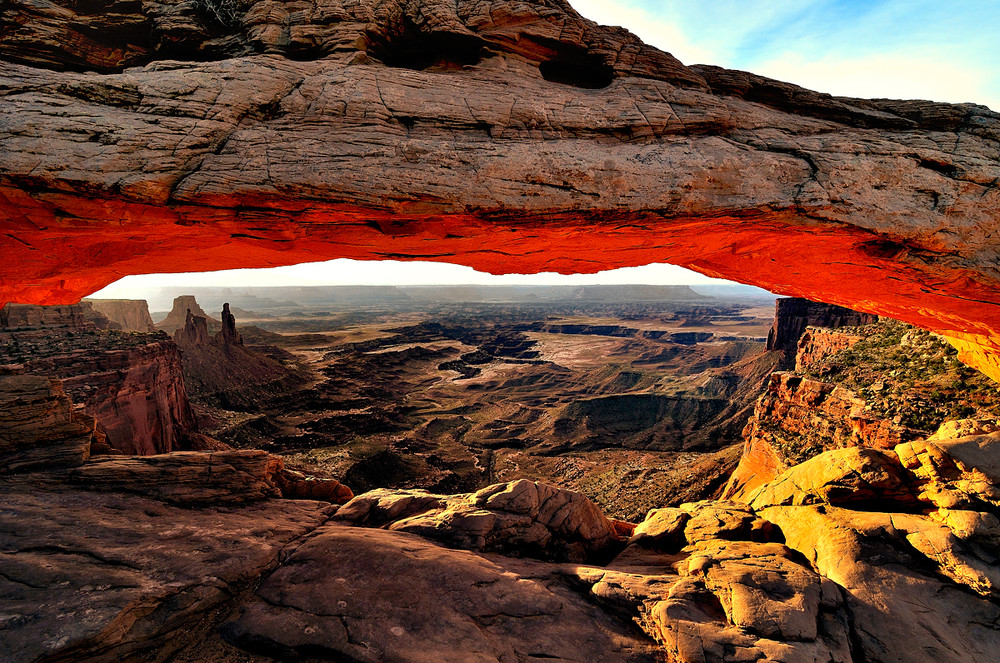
[{"x": 872, "y": 537}]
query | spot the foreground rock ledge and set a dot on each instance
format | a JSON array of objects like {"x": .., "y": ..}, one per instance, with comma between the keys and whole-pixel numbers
[{"x": 508, "y": 137}]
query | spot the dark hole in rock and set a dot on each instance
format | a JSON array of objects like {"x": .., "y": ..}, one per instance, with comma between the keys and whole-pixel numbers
[
  {"x": 883, "y": 248},
  {"x": 579, "y": 70},
  {"x": 442, "y": 50}
]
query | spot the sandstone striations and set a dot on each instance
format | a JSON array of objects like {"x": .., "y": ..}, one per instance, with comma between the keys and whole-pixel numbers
[
  {"x": 430, "y": 129},
  {"x": 38, "y": 427},
  {"x": 129, "y": 314}
]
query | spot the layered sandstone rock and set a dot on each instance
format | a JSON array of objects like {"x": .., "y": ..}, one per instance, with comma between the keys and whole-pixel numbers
[
  {"x": 799, "y": 417},
  {"x": 131, "y": 382},
  {"x": 22, "y": 317},
  {"x": 187, "y": 477},
  {"x": 107, "y": 577},
  {"x": 136, "y": 391},
  {"x": 38, "y": 427},
  {"x": 129, "y": 314},
  {"x": 430, "y": 129},
  {"x": 427, "y": 604}
]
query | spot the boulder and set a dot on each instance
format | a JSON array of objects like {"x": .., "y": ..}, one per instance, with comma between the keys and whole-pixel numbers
[
  {"x": 186, "y": 477},
  {"x": 854, "y": 475},
  {"x": 522, "y": 518}
]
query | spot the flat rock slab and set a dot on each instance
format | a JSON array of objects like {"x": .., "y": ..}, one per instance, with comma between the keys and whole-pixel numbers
[
  {"x": 360, "y": 594},
  {"x": 101, "y": 576}
]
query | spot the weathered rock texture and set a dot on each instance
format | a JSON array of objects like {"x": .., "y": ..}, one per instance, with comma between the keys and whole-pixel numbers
[
  {"x": 131, "y": 382},
  {"x": 816, "y": 344},
  {"x": 129, "y": 314},
  {"x": 29, "y": 316},
  {"x": 506, "y": 136},
  {"x": 798, "y": 417},
  {"x": 106, "y": 577},
  {"x": 38, "y": 427},
  {"x": 792, "y": 315}
]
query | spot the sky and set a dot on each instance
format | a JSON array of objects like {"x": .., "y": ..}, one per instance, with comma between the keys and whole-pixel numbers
[{"x": 901, "y": 49}]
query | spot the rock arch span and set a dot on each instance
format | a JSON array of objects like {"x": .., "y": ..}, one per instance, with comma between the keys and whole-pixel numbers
[{"x": 524, "y": 138}]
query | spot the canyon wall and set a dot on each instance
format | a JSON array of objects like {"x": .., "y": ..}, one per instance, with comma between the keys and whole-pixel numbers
[
  {"x": 131, "y": 382},
  {"x": 511, "y": 137},
  {"x": 137, "y": 394}
]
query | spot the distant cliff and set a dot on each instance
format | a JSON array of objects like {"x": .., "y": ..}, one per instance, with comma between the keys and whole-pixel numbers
[{"x": 130, "y": 314}]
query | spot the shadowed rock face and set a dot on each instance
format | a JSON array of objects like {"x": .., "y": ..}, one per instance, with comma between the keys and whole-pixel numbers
[{"x": 509, "y": 137}]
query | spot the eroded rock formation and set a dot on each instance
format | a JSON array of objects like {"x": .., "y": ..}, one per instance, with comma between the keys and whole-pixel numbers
[
  {"x": 509, "y": 137},
  {"x": 183, "y": 308},
  {"x": 38, "y": 427},
  {"x": 129, "y": 314}
]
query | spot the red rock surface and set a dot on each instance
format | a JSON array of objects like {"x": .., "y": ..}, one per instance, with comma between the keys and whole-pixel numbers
[
  {"x": 508, "y": 137},
  {"x": 798, "y": 417},
  {"x": 38, "y": 428}
]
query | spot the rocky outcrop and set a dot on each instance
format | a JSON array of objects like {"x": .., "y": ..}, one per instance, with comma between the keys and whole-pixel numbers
[
  {"x": 194, "y": 333},
  {"x": 106, "y": 577},
  {"x": 187, "y": 477},
  {"x": 799, "y": 417},
  {"x": 817, "y": 343},
  {"x": 220, "y": 369},
  {"x": 228, "y": 334},
  {"x": 523, "y": 517},
  {"x": 135, "y": 391},
  {"x": 128, "y": 314},
  {"x": 38, "y": 427},
  {"x": 20, "y": 317},
  {"x": 178, "y": 316},
  {"x": 428, "y": 604},
  {"x": 561, "y": 133},
  {"x": 793, "y": 315},
  {"x": 131, "y": 382}
]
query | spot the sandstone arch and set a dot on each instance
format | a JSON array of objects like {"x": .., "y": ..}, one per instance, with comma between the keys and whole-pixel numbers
[{"x": 511, "y": 137}]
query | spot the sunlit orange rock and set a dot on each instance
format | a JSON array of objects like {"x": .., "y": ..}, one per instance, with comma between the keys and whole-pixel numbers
[{"x": 508, "y": 137}]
